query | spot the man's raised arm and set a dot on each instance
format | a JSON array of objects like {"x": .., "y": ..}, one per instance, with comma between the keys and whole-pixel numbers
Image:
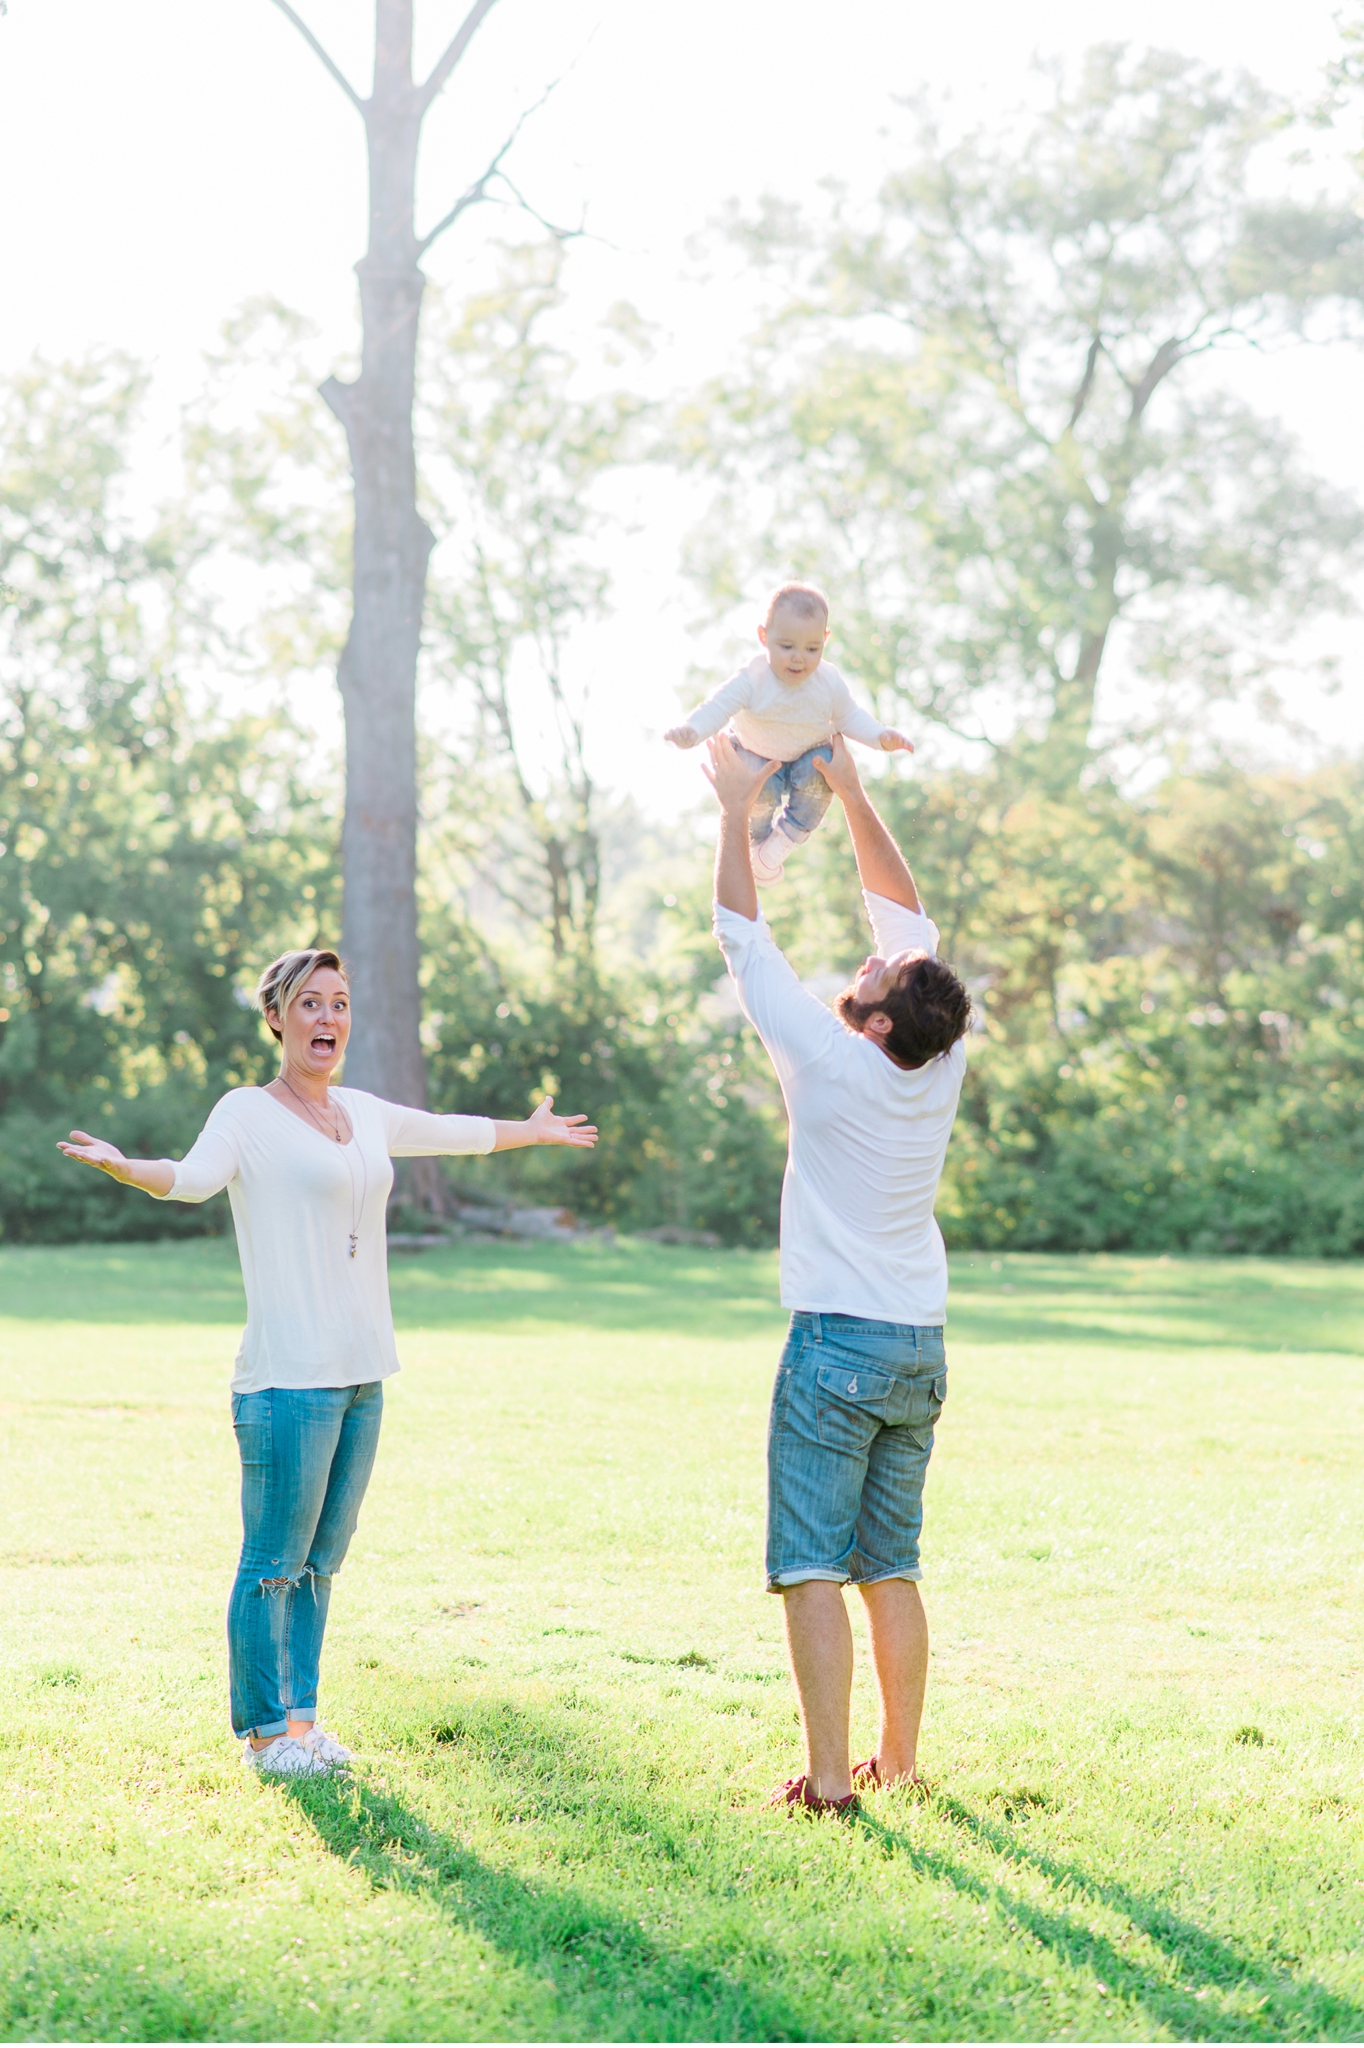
[
  {"x": 881, "y": 866},
  {"x": 736, "y": 786}
]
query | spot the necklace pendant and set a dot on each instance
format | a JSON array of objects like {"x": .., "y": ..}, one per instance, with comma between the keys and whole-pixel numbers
[{"x": 352, "y": 1244}]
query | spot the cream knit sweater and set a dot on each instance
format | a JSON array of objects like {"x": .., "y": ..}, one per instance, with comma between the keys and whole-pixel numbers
[{"x": 781, "y": 720}]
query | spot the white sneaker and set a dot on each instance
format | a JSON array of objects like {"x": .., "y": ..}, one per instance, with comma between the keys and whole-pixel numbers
[
  {"x": 764, "y": 874},
  {"x": 769, "y": 855},
  {"x": 283, "y": 1758},
  {"x": 333, "y": 1753}
]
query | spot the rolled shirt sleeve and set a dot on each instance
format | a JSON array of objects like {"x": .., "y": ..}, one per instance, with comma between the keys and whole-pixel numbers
[
  {"x": 898, "y": 930},
  {"x": 420, "y": 1134}
]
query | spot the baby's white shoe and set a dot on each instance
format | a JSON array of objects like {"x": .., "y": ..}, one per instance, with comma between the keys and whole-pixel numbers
[{"x": 767, "y": 870}]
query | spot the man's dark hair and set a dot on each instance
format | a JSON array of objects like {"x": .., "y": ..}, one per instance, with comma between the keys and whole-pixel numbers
[{"x": 928, "y": 1008}]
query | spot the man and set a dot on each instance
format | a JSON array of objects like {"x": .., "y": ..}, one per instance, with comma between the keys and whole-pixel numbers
[{"x": 871, "y": 1095}]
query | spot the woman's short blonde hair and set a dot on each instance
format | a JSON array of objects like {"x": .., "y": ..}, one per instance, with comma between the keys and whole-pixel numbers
[{"x": 284, "y": 977}]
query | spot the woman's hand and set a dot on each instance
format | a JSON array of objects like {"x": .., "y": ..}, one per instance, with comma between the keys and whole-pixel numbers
[
  {"x": 94, "y": 1152},
  {"x": 153, "y": 1176},
  {"x": 542, "y": 1127}
]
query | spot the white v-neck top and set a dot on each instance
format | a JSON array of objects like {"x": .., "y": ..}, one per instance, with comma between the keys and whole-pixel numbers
[{"x": 315, "y": 1316}]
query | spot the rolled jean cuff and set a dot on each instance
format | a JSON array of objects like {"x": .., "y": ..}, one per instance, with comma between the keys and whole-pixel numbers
[
  {"x": 267, "y": 1732},
  {"x": 908, "y": 1571},
  {"x": 803, "y": 1574}
]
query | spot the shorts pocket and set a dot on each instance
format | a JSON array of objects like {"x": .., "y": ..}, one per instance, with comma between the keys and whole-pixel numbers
[
  {"x": 851, "y": 1404},
  {"x": 926, "y": 1397}
]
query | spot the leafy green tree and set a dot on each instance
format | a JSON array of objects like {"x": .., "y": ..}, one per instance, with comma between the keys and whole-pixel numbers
[
  {"x": 1170, "y": 993},
  {"x": 984, "y": 418},
  {"x": 152, "y": 854}
]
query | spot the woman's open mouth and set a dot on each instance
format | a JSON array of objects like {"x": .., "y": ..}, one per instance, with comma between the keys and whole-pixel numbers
[{"x": 323, "y": 1041}]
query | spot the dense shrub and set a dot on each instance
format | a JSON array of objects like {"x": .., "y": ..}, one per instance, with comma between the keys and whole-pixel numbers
[
  {"x": 691, "y": 1131},
  {"x": 1172, "y": 994}
]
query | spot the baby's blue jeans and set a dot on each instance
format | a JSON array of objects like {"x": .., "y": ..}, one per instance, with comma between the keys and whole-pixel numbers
[
  {"x": 795, "y": 797},
  {"x": 307, "y": 1453}
]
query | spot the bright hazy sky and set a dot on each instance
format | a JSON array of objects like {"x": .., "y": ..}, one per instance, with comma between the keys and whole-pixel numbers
[{"x": 164, "y": 160}]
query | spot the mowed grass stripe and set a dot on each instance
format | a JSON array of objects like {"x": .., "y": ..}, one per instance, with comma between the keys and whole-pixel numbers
[{"x": 567, "y": 1686}]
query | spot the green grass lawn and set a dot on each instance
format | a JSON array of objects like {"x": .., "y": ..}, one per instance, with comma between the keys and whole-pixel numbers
[{"x": 567, "y": 1692}]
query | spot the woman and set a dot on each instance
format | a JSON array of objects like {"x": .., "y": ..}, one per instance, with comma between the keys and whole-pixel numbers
[{"x": 307, "y": 1171}]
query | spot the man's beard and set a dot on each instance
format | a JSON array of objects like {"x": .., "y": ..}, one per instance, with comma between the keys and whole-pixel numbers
[{"x": 852, "y": 1013}]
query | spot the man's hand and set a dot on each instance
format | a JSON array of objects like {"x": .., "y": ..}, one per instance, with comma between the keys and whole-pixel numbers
[
  {"x": 735, "y": 785},
  {"x": 682, "y": 736},
  {"x": 734, "y": 782},
  {"x": 893, "y": 742},
  {"x": 841, "y": 773}
]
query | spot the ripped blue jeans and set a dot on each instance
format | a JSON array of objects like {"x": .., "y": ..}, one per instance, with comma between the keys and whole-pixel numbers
[{"x": 307, "y": 1453}]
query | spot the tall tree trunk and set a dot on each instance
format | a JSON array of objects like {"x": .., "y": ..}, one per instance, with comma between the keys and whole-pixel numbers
[
  {"x": 1073, "y": 706},
  {"x": 378, "y": 668}
]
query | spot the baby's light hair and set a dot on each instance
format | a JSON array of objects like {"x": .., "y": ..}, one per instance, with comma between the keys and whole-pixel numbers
[{"x": 806, "y": 600}]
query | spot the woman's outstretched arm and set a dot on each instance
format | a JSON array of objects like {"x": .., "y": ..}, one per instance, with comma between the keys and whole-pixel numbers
[
  {"x": 153, "y": 1176},
  {"x": 422, "y": 1134},
  {"x": 205, "y": 1170}
]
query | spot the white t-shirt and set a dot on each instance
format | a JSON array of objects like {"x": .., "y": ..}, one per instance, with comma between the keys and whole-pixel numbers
[
  {"x": 315, "y": 1316},
  {"x": 867, "y": 1138},
  {"x": 781, "y": 720}
]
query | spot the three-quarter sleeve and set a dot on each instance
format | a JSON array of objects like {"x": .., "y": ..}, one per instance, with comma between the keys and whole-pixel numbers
[
  {"x": 207, "y": 1168},
  {"x": 419, "y": 1134}
]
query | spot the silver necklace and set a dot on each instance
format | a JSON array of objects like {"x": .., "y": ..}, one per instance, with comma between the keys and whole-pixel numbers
[{"x": 357, "y": 1208}]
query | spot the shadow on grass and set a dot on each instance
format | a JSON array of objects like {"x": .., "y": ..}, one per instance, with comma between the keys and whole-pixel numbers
[
  {"x": 1199, "y": 1963},
  {"x": 1099, "y": 1302},
  {"x": 608, "y": 1977},
  {"x": 1157, "y": 1304},
  {"x": 512, "y": 1287}
]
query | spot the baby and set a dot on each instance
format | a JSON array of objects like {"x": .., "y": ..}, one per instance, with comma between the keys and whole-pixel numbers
[{"x": 786, "y": 706}]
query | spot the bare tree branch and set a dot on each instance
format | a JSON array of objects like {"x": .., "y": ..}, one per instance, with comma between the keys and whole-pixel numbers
[
  {"x": 454, "y": 51},
  {"x": 478, "y": 191},
  {"x": 311, "y": 40},
  {"x": 1159, "y": 367},
  {"x": 559, "y": 234},
  {"x": 1086, "y": 383}
]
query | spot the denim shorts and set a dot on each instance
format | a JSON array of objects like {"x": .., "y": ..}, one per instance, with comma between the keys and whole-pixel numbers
[{"x": 848, "y": 1445}]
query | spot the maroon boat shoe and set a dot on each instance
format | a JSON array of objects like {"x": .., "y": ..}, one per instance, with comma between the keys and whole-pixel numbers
[{"x": 797, "y": 1797}]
